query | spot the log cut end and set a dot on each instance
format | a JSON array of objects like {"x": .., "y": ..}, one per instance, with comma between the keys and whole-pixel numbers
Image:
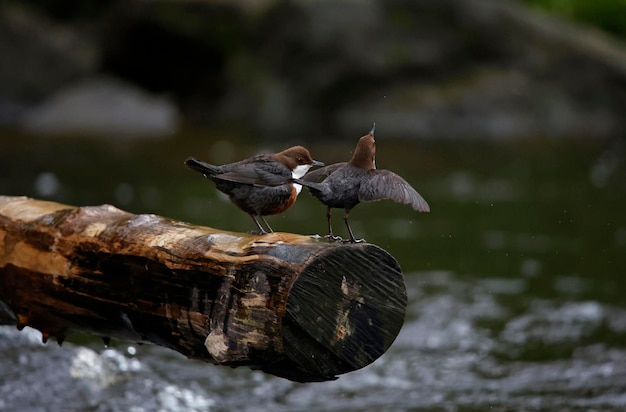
[{"x": 343, "y": 312}]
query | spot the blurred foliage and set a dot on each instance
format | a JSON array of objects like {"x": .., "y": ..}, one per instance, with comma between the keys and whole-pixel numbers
[
  {"x": 609, "y": 15},
  {"x": 69, "y": 11}
]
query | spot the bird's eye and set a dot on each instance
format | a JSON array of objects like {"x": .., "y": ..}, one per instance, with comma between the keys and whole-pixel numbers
[{"x": 300, "y": 159}]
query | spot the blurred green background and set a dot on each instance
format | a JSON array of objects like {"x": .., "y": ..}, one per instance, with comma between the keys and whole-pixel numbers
[{"x": 605, "y": 14}]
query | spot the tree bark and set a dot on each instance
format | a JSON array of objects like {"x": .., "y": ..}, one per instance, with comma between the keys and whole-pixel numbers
[{"x": 290, "y": 305}]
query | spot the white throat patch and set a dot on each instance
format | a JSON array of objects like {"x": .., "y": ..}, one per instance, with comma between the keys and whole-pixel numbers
[{"x": 300, "y": 171}]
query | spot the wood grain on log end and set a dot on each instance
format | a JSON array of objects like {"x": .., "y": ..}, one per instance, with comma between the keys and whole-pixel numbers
[{"x": 344, "y": 310}]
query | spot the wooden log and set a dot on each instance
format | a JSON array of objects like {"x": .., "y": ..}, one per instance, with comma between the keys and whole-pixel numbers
[{"x": 290, "y": 305}]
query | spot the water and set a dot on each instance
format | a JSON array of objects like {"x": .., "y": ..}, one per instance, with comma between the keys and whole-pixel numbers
[
  {"x": 514, "y": 280},
  {"x": 463, "y": 348}
]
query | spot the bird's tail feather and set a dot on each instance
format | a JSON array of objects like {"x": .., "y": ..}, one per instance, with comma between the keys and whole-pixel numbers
[{"x": 200, "y": 166}]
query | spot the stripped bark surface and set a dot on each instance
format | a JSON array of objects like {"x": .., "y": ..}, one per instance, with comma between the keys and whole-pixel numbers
[{"x": 293, "y": 306}]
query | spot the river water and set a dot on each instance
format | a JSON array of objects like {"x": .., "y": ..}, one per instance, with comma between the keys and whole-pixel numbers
[{"x": 515, "y": 281}]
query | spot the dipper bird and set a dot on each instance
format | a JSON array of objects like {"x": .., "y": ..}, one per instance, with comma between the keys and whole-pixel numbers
[
  {"x": 261, "y": 185},
  {"x": 347, "y": 184}
]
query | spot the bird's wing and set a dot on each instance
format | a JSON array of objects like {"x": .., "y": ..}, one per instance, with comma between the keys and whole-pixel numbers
[
  {"x": 322, "y": 173},
  {"x": 258, "y": 174},
  {"x": 384, "y": 184}
]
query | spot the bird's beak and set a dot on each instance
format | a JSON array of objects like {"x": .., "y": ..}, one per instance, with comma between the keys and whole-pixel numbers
[
  {"x": 373, "y": 128},
  {"x": 317, "y": 163}
]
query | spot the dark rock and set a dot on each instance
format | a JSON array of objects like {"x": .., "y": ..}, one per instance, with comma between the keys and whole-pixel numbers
[
  {"x": 103, "y": 107},
  {"x": 39, "y": 56},
  {"x": 455, "y": 69},
  {"x": 419, "y": 68}
]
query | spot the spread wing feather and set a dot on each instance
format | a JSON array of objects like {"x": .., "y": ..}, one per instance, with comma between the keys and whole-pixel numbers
[{"x": 385, "y": 184}]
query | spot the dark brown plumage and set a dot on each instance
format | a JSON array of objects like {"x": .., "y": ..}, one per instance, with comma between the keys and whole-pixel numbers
[{"x": 345, "y": 185}]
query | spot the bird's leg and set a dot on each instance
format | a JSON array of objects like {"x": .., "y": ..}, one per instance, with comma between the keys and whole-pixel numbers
[
  {"x": 330, "y": 235},
  {"x": 345, "y": 219},
  {"x": 330, "y": 226},
  {"x": 266, "y": 224},
  {"x": 262, "y": 231}
]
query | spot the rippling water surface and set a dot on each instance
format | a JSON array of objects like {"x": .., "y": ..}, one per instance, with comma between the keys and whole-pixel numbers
[{"x": 515, "y": 281}]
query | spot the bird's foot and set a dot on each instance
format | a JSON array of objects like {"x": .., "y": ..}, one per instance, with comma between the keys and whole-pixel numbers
[
  {"x": 333, "y": 238},
  {"x": 354, "y": 241},
  {"x": 257, "y": 232}
]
